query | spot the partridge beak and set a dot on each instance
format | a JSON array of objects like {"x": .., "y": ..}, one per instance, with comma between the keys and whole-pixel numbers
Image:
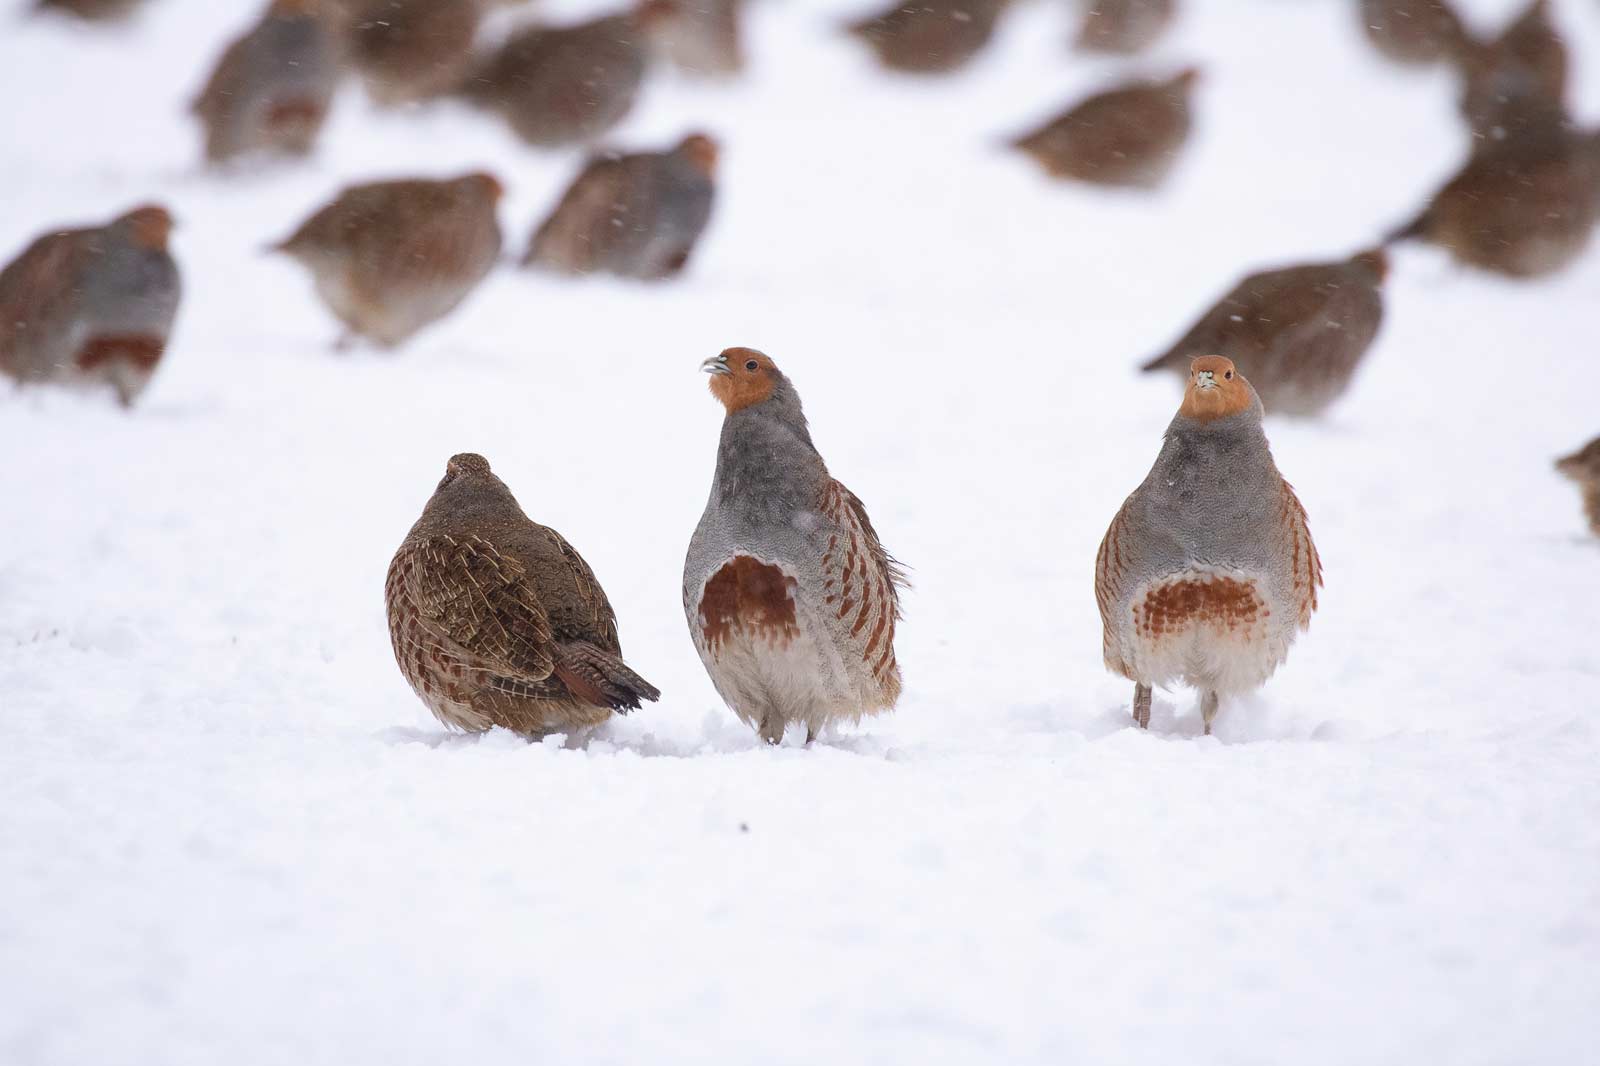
[
  {"x": 1205, "y": 379},
  {"x": 717, "y": 364}
]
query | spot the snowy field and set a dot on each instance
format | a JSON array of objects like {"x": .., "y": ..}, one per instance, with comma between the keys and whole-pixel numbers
[{"x": 231, "y": 834}]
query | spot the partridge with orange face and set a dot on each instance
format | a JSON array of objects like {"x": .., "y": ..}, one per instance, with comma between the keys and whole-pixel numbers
[
  {"x": 1583, "y": 467},
  {"x": 1123, "y": 27},
  {"x": 498, "y": 621},
  {"x": 392, "y": 257},
  {"x": 929, "y": 36},
  {"x": 1208, "y": 571},
  {"x": 1129, "y": 136},
  {"x": 93, "y": 306},
  {"x": 1412, "y": 31},
  {"x": 1298, "y": 332},
  {"x": 636, "y": 216},
  {"x": 271, "y": 90},
  {"x": 791, "y": 598}
]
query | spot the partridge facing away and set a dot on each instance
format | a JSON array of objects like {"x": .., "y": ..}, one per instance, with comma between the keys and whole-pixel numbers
[
  {"x": 271, "y": 90},
  {"x": 790, "y": 597},
  {"x": 1524, "y": 206},
  {"x": 1520, "y": 74},
  {"x": 1583, "y": 467},
  {"x": 637, "y": 216},
  {"x": 91, "y": 306},
  {"x": 1208, "y": 571},
  {"x": 703, "y": 37},
  {"x": 566, "y": 85},
  {"x": 410, "y": 50},
  {"x": 92, "y": 10},
  {"x": 394, "y": 256},
  {"x": 1128, "y": 136},
  {"x": 1298, "y": 332},
  {"x": 929, "y": 36},
  {"x": 498, "y": 621},
  {"x": 1414, "y": 32},
  {"x": 1123, "y": 27}
]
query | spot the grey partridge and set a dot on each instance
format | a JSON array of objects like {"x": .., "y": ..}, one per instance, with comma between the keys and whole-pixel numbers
[
  {"x": 1128, "y": 136},
  {"x": 791, "y": 598},
  {"x": 392, "y": 257},
  {"x": 1208, "y": 571},
  {"x": 271, "y": 90},
  {"x": 497, "y": 621},
  {"x": 1298, "y": 333},
  {"x": 636, "y": 216},
  {"x": 929, "y": 36},
  {"x": 91, "y": 307},
  {"x": 1123, "y": 27},
  {"x": 1583, "y": 467},
  {"x": 410, "y": 50},
  {"x": 1520, "y": 76},
  {"x": 1414, "y": 32}
]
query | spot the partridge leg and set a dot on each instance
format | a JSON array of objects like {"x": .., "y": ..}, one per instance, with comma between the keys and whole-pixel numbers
[
  {"x": 811, "y": 734},
  {"x": 1141, "y": 705},
  {"x": 772, "y": 727},
  {"x": 1208, "y": 708}
]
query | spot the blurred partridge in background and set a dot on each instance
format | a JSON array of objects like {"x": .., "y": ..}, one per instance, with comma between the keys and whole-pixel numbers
[
  {"x": 703, "y": 37},
  {"x": 566, "y": 85},
  {"x": 1517, "y": 77},
  {"x": 1123, "y": 27},
  {"x": 91, "y": 306},
  {"x": 497, "y": 621},
  {"x": 929, "y": 36},
  {"x": 1415, "y": 32},
  {"x": 1128, "y": 136},
  {"x": 1208, "y": 571},
  {"x": 1583, "y": 467},
  {"x": 637, "y": 216},
  {"x": 1298, "y": 333},
  {"x": 391, "y": 257},
  {"x": 92, "y": 10},
  {"x": 271, "y": 90},
  {"x": 410, "y": 50},
  {"x": 790, "y": 597}
]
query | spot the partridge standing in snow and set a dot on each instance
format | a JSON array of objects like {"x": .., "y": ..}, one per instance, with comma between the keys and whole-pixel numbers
[
  {"x": 409, "y": 50},
  {"x": 394, "y": 256},
  {"x": 700, "y": 36},
  {"x": 929, "y": 36},
  {"x": 91, "y": 306},
  {"x": 1520, "y": 74},
  {"x": 1583, "y": 466},
  {"x": 1412, "y": 31},
  {"x": 1124, "y": 27},
  {"x": 1129, "y": 136},
  {"x": 566, "y": 85},
  {"x": 498, "y": 621},
  {"x": 1523, "y": 206},
  {"x": 791, "y": 599},
  {"x": 634, "y": 215},
  {"x": 1298, "y": 332},
  {"x": 1208, "y": 571},
  {"x": 92, "y": 10},
  {"x": 271, "y": 89}
]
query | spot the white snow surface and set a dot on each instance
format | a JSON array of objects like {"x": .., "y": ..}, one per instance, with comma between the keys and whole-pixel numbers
[{"x": 231, "y": 834}]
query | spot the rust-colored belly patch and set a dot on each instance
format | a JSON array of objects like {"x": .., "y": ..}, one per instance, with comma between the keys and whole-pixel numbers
[
  {"x": 750, "y": 595},
  {"x": 1222, "y": 603},
  {"x": 140, "y": 350}
]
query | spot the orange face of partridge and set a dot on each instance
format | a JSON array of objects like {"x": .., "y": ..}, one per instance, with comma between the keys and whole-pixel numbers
[
  {"x": 150, "y": 227},
  {"x": 1216, "y": 390},
  {"x": 741, "y": 377}
]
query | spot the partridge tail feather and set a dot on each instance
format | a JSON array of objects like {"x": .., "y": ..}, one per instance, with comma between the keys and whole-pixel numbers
[
  {"x": 1165, "y": 361},
  {"x": 601, "y": 678}
]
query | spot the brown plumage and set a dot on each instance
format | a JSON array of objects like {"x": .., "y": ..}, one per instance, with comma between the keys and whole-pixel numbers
[
  {"x": 271, "y": 89},
  {"x": 92, "y": 10},
  {"x": 91, "y": 306},
  {"x": 1522, "y": 206},
  {"x": 701, "y": 37},
  {"x": 1123, "y": 27},
  {"x": 565, "y": 85},
  {"x": 637, "y": 215},
  {"x": 929, "y": 36},
  {"x": 1583, "y": 467},
  {"x": 409, "y": 50},
  {"x": 1298, "y": 333},
  {"x": 1519, "y": 76},
  {"x": 1412, "y": 31},
  {"x": 394, "y": 256},
  {"x": 497, "y": 621},
  {"x": 1127, "y": 136}
]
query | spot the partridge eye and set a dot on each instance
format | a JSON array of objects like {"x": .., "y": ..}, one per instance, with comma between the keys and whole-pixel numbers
[
  {"x": 1228, "y": 375},
  {"x": 751, "y": 365}
]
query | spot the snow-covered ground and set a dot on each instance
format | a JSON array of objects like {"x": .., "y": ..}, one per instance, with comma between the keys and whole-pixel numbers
[{"x": 229, "y": 833}]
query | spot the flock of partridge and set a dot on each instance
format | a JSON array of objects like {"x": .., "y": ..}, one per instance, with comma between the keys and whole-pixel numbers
[{"x": 1207, "y": 572}]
